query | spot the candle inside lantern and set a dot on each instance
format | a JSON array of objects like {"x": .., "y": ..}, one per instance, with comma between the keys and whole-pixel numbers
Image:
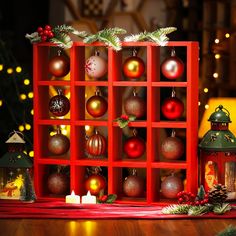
[
  {"x": 90, "y": 199},
  {"x": 73, "y": 198}
]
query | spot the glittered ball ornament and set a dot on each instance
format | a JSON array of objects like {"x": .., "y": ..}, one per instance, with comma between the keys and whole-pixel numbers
[
  {"x": 58, "y": 144},
  {"x": 135, "y": 105},
  {"x": 96, "y": 145},
  {"x": 173, "y": 67},
  {"x": 58, "y": 183},
  {"x": 134, "y": 147},
  {"x": 171, "y": 186},
  {"x": 59, "y": 65},
  {"x": 95, "y": 183},
  {"x": 172, "y": 148},
  {"x": 96, "y": 105},
  {"x": 59, "y": 105},
  {"x": 172, "y": 108},
  {"x": 133, "y": 67},
  {"x": 96, "y": 66},
  {"x": 133, "y": 185}
]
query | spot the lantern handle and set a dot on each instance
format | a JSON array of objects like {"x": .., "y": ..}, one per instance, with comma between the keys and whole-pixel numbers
[
  {"x": 18, "y": 132},
  {"x": 220, "y": 107}
]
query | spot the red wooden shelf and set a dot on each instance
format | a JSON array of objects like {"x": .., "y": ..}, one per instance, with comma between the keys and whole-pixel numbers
[{"x": 115, "y": 163}]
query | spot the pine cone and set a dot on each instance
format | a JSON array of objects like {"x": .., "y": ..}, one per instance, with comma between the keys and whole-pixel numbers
[{"x": 217, "y": 194}]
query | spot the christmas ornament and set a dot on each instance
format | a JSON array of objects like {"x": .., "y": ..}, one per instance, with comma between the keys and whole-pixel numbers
[
  {"x": 172, "y": 148},
  {"x": 172, "y": 107},
  {"x": 134, "y": 147},
  {"x": 135, "y": 106},
  {"x": 58, "y": 183},
  {"x": 133, "y": 67},
  {"x": 171, "y": 186},
  {"x": 95, "y": 182},
  {"x": 96, "y": 144},
  {"x": 96, "y": 66},
  {"x": 59, "y": 65},
  {"x": 59, "y": 105},
  {"x": 218, "y": 194},
  {"x": 58, "y": 144},
  {"x": 173, "y": 67},
  {"x": 96, "y": 105},
  {"x": 134, "y": 185}
]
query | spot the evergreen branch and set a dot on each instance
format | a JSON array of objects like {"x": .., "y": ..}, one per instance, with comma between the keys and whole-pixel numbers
[
  {"x": 34, "y": 37},
  {"x": 198, "y": 210},
  {"x": 62, "y": 40},
  {"x": 176, "y": 209},
  {"x": 221, "y": 209},
  {"x": 90, "y": 39},
  {"x": 229, "y": 231},
  {"x": 166, "y": 30},
  {"x": 136, "y": 37},
  {"x": 69, "y": 29}
]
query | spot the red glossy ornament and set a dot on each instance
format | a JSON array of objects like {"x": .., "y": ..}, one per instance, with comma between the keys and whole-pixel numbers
[
  {"x": 173, "y": 67},
  {"x": 172, "y": 148},
  {"x": 59, "y": 105},
  {"x": 59, "y": 65},
  {"x": 96, "y": 105},
  {"x": 172, "y": 108},
  {"x": 135, "y": 105},
  {"x": 95, "y": 183},
  {"x": 171, "y": 186},
  {"x": 58, "y": 183},
  {"x": 58, "y": 144},
  {"x": 133, "y": 67},
  {"x": 134, "y": 186},
  {"x": 134, "y": 147},
  {"x": 96, "y": 144}
]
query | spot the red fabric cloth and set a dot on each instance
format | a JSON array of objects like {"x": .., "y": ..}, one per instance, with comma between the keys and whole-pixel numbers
[{"x": 61, "y": 210}]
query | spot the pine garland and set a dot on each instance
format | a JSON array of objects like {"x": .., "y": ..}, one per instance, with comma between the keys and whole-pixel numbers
[
  {"x": 176, "y": 209},
  {"x": 199, "y": 210},
  {"x": 229, "y": 231}
]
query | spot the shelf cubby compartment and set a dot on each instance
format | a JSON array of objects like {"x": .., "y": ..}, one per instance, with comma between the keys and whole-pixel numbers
[{"x": 113, "y": 85}]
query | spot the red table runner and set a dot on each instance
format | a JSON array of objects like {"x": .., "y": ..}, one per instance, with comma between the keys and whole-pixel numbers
[{"x": 61, "y": 210}]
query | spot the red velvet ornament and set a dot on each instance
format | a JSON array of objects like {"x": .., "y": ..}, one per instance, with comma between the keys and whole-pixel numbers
[
  {"x": 133, "y": 67},
  {"x": 172, "y": 108},
  {"x": 59, "y": 65},
  {"x": 171, "y": 186},
  {"x": 58, "y": 144},
  {"x": 173, "y": 67},
  {"x": 96, "y": 105},
  {"x": 58, "y": 183},
  {"x": 172, "y": 148},
  {"x": 134, "y": 185},
  {"x": 134, "y": 147},
  {"x": 135, "y": 105},
  {"x": 59, "y": 105},
  {"x": 95, "y": 183},
  {"x": 96, "y": 144}
]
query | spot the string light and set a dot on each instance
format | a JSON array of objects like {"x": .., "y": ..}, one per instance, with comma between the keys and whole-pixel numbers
[
  {"x": 227, "y": 35},
  {"x": 199, "y": 103},
  {"x": 217, "y": 40},
  {"x": 26, "y": 82},
  {"x": 206, "y": 106},
  {"x": 215, "y": 75},
  {"x": 205, "y": 90},
  {"x": 87, "y": 127},
  {"x": 22, "y": 96},
  {"x": 63, "y": 126},
  {"x": 21, "y": 128},
  {"x": 32, "y": 112},
  {"x": 217, "y": 56},
  {"x": 18, "y": 69},
  {"x": 9, "y": 71},
  {"x": 31, "y": 153},
  {"x": 27, "y": 126},
  {"x": 1, "y": 102},
  {"x": 64, "y": 131},
  {"x": 1, "y": 67},
  {"x": 30, "y": 95},
  {"x": 52, "y": 133}
]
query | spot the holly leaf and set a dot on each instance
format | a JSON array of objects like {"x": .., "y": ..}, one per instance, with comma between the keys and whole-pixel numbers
[
  {"x": 132, "y": 118},
  {"x": 111, "y": 198}
]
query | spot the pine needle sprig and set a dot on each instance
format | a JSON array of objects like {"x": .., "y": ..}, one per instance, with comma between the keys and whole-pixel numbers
[
  {"x": 176, "y": 209},
  {"x": 62, "y": 40},
  {"x": 34, "y": 37},
  {"x": 229, "y": 231},
  {"x": 221, "y": 209},
  {"x": 199, "y": 210},
  {"x": 66, "y": 29}
]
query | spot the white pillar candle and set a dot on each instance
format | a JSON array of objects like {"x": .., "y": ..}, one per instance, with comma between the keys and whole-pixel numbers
[
  {"x": 89, "y": 199},
  {"x": 73, "y": 198}
]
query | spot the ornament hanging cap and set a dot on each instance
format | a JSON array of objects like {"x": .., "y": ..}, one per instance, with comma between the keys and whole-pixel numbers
[
  {"x": 97, "y": 53},
  {"x": 134, "y": 52},
  {"x": 173, "y": 53},
  {"x": 135, "y": 92},
  {"x": 59, "y": 52},
  {"x": 173, "y": 133},
  {"x": 173, "y": 93},
  {"x": 135, "y": 132},
  {"x": 98, "y": 92},
  {"x": 134, "y": 172}
]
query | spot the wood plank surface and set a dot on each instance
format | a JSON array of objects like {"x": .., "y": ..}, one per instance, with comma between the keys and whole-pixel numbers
[{"x": 53, "y": 227}]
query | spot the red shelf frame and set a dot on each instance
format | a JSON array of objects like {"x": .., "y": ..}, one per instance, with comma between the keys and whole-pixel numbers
[{"x": 152, "y": 123}]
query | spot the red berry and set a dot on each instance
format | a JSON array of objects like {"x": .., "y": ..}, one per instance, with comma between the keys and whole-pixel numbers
[
  {"x": 181, "y": 200},
  {"x": 104, "y": 198},
  {"x": 178, "y": 194},
  {"x": 43, "y": 38},
  {"x": 206, "y": 195},
  {"x": 41, "y": 33},
  {"x": 40, "y": 29},
  {"x": 192, "y": 195},
  {"x": 206, "y": 200},
  {"x": 50, "y": 34},
  {"x": 45, "y": 32},
  {"x": 197, "y": 202},
  {"x": 47, "y": 27}
]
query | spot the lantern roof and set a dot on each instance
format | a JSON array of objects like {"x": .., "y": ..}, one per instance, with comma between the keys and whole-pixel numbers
[
  {"x": 220, "y": 116},
  {"x": 16, "y": 160},
  {"x": 218, "y": 140}
]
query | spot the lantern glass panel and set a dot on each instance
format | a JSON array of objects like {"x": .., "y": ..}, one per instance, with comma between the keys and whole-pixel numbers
[
  {"x": 211, "y": 174},
  {"x": 11, "y": 182},
  {"x": 230, "y": 178}
]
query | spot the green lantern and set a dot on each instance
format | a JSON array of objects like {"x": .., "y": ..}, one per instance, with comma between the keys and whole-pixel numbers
[{"x": 218, "y": 153}]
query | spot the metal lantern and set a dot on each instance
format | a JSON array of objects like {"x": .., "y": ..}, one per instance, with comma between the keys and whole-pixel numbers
[
  {"x": 218, "y": 153},
  {"x": 14, "y": 166}
]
